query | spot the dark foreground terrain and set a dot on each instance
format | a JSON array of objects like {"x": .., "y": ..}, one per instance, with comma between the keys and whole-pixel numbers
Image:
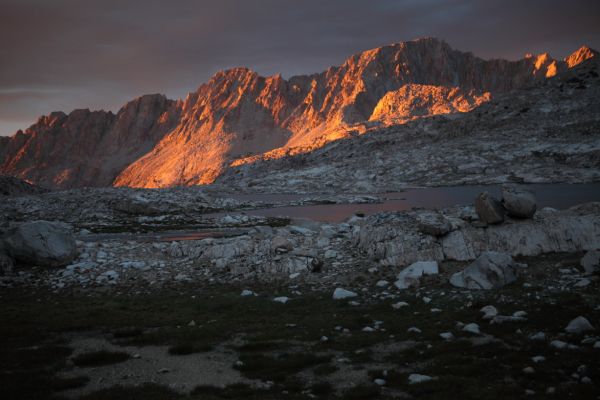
[
  {"x": 104, "y": 297},
  {"x": 206, "y": 341}
]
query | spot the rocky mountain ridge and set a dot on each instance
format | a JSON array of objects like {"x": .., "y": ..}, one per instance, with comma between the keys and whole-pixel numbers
[
  {"x": 87, "y": 148},
  {"x": 240, "y": 116},
  {"x": 547, "y": 133}
]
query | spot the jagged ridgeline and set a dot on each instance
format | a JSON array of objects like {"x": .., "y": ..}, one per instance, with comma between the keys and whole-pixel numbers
[{"x": 239, "y": 116}]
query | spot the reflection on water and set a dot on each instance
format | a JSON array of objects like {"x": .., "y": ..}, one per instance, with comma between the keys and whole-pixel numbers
[{"x": 548, "y": 195}]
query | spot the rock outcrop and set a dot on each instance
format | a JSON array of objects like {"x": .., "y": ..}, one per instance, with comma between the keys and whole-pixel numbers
[
  {"x": 394, "y": 239},
  {"x": 239, "y": 117}
]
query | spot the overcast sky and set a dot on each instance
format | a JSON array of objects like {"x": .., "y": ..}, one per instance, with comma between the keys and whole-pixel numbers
[{"x": 67, "y": 54}]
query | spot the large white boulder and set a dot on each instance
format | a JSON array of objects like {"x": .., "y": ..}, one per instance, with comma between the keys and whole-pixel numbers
[
  {"x": 411, "y": 275},
  {"x": 490, "y": 271},
  {"x": 41, "y": 243}
]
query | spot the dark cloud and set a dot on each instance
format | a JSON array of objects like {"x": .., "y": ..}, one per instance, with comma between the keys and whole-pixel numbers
[{"x": 66, "y": 54}]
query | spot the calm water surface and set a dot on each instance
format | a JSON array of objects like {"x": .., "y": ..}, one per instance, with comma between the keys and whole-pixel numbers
[{"x": 558, "y": 196}]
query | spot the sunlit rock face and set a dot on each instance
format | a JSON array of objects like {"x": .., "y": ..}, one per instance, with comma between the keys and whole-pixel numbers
[
  {"x": 583, "y": 54},
  {"x": 238, "y": 116},
  {"x": 413, "y": 101},
  {"x": 236, "y": 113}
]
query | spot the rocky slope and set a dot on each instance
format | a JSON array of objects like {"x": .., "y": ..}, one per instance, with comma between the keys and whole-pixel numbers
[
  {"x": 546, "y": 133},
  {"x": 239, "y": 116}
]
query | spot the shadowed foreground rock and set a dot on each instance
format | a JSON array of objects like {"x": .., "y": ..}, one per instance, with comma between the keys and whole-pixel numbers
[{"x": 41, "y": 243}]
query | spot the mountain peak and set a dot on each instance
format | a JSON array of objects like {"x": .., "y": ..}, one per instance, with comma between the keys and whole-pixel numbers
[
  {"x": 426, "y": 42},
  {"x": 428, "y": 39},
  {"x": 580, "y": 55},
  {"x": 233, "y": 73}
]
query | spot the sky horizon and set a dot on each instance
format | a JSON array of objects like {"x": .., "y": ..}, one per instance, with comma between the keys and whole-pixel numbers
[{"x": 68, "y": 54}]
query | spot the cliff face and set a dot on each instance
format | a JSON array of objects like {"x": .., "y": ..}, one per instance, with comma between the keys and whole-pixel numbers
[{"x": 239, "y": 116}]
